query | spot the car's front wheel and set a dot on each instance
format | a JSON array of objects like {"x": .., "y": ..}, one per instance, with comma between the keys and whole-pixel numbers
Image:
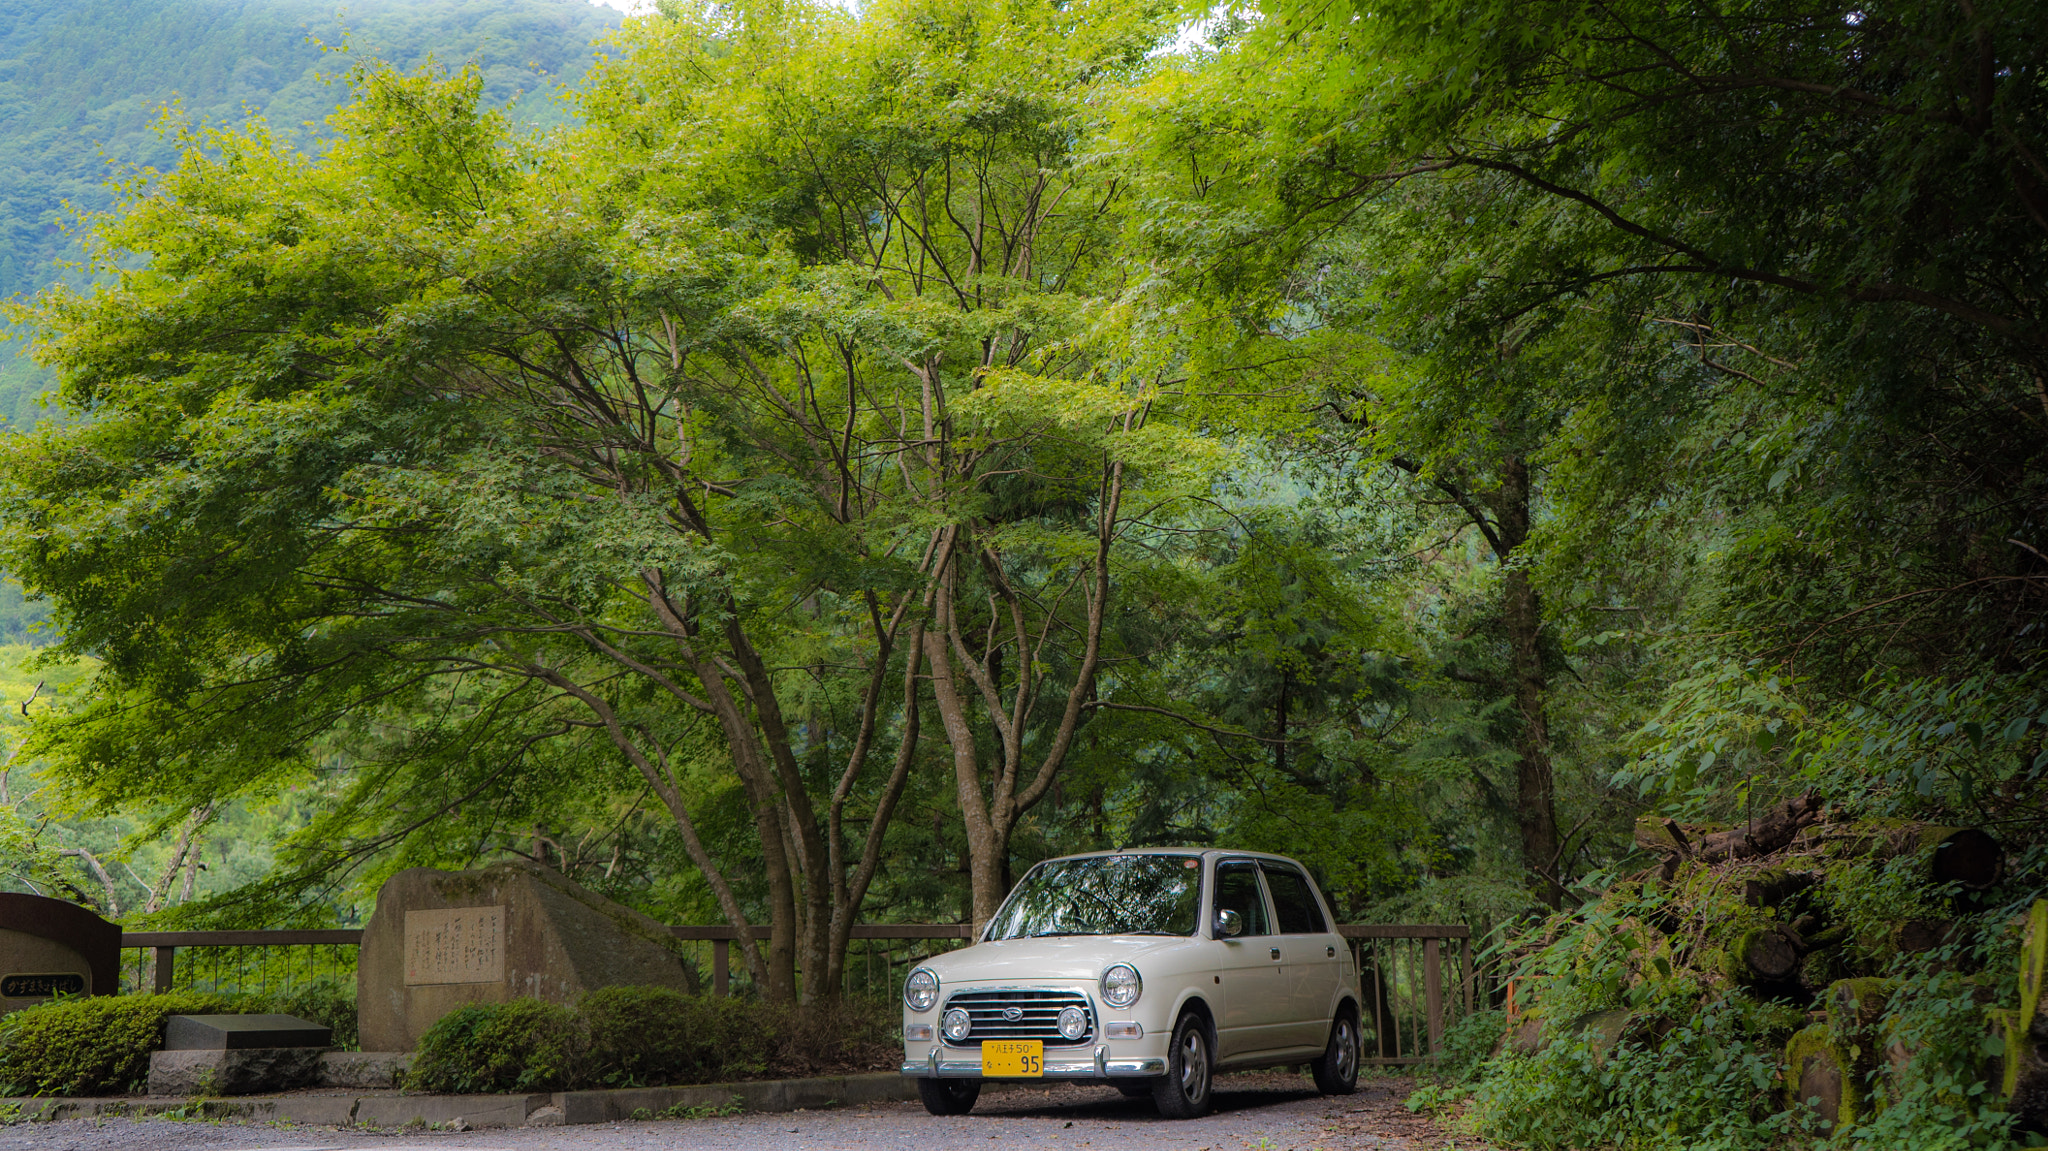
[
  {"x": 1337, "y": 1071},
  {"x": 949, "y": 1096},
  {"x": 1183, "y": 1092}
]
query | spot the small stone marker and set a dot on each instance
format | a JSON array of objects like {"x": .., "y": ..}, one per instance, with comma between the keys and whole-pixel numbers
[
  {"x": 241, "y": 1032},
  {"x": 51, "y": 947},
  {"x": 442, "y": 939}
]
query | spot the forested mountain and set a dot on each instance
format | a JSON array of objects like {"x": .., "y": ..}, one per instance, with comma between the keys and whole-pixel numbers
[{"x": 83, "y": 82}]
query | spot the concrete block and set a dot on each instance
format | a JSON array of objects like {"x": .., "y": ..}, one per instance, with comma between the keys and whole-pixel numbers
[
  {"x": 442, "y": 1110},
  {"x": 886, "y": 1087},
  {"x": 373, "y": 1070},
  {"x": 240, "y": 1032},
  {"x": 247, "y": 1071},
  {"x": 613, "y": 1106}
]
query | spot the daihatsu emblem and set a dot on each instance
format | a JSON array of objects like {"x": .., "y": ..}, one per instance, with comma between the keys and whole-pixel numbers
[{"x": 1013, "y": 1014}]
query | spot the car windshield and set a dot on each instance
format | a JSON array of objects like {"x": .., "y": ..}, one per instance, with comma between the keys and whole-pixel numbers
[{"x": 1105, "y": 895}]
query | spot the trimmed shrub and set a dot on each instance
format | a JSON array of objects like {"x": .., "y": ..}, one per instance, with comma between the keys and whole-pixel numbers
[
  {"x": 643, "y": 1036},
  {"x": 100, "y": 1045},
  {"x": 485, "y": 1048},
  {"x": 97, "y": 1045},
  {"x": 646, "y": 1037}
]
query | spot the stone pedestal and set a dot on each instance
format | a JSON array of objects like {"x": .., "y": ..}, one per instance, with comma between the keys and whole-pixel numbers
[
  {"x": 50, "y": 947},
  {"x": 238, "y": 1071},
  {"x": 363, "y": 1069},
  {"x": 442, "y": 939}
]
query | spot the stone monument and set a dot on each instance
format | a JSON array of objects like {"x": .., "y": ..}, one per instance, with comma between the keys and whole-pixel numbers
[
  {"x": 442, "y": 939},
  {"x": 50, "y": 947}
]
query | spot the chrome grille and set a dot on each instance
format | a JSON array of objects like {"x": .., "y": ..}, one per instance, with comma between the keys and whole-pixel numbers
[{"x": 1038, "y": 1016}]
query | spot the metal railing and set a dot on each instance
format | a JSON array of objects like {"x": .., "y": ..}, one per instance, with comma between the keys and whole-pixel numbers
[
  {"x": 1415, "y": 980},
  {"x": 275, "y": 960},
  {"x": 231, "y": 961},
  {"x": 878, "y": 951}
]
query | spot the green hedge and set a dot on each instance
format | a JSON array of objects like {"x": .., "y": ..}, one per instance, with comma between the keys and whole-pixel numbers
[
  {"x": 100, "y": 1045},
  {"x": 645, "y": 1037}
]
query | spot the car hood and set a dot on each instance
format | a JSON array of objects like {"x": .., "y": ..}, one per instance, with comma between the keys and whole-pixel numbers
[{"x": 1062, "y": 957}]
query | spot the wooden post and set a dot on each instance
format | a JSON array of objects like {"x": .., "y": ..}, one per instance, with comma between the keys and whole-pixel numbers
[
  {"x": 1433, "y": 991},
  {"x": 166, "y": 963},
  {"x": 721, "y": 967},
  {"x": 1470, "y": 978}
]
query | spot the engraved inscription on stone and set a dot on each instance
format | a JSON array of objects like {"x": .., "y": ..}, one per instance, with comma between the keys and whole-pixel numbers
[
  {"x": 458, "y": 945},
  {"x": 41, "y": 986}
]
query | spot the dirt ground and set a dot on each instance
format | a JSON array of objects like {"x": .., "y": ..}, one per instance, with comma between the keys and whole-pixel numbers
[{"x": 1261, "y": 1112}]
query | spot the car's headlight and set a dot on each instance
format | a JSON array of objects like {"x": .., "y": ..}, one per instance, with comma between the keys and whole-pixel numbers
[
  {"x": 921, "y": 990},
  {"x": 1073, "y": 1023},
  {"x": 957, "y": 1023},
  {"x": 1121, "y": 985}
]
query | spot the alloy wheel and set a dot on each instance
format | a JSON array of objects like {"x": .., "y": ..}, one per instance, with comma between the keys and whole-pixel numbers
[{"x": 1194, "y": 1066}]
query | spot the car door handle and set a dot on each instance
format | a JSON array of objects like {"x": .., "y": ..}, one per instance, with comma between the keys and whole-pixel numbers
[{"x": 1276, "y": 952}]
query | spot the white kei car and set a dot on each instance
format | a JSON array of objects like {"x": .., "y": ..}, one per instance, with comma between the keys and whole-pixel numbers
[{"x": 1149, "y": 969}]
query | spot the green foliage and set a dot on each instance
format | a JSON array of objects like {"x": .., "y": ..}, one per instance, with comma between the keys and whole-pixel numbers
[
  {"x": 328, "y": 1002},
  {"x": 644, "y": 1037},
  {"x": 95, "y": 1045},
  {"x": 1467, "y": 1045},
  {"x": 1711, "y": 1084},
  {"x": 521, "y": 1045}
]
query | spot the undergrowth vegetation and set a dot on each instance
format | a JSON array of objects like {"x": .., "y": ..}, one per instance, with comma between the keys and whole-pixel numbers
[{"x": 1643, "y": 1031}]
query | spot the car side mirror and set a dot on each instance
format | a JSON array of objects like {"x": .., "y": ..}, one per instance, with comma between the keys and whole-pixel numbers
[{"x": 1229, "y": 924}]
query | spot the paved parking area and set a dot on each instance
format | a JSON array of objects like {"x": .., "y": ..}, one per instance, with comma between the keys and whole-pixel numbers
[{"x": 1267, "y": 1112}]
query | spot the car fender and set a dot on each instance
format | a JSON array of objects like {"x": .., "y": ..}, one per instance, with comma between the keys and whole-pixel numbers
[{"x": 1181, "y": 1001}]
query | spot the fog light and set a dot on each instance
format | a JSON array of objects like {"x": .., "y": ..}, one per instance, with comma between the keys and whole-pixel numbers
[
  {"x": 958, "y": 1023},
  {"x": 918, "y": 1033},
  {"x": 1073, "y": 1023},
  {"x": 1126, "y": 1030}
]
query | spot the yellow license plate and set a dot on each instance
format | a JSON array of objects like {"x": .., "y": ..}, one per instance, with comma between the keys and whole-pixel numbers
[{"x": 1013, "y": 1058}]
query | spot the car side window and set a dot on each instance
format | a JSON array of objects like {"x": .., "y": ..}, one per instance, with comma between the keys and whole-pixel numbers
[
  {"x": 1237, "y": 889},
  {"x": 1293, "y": 903}
]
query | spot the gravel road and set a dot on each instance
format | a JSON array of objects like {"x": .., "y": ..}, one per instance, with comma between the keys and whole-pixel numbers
[{"x": 1264, "y": 1112}]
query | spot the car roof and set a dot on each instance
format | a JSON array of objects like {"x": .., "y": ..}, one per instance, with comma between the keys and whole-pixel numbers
[{"x": 1202, "y": 851}]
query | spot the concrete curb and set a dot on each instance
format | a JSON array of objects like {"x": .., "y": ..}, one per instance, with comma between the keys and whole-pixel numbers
[{"x": 392, "y": 1109}]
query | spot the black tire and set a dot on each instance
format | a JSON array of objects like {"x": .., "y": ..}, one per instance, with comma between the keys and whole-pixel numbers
[
  {"x": 949, "y": 1096},
  {"x": 1337, "y": 1071},
  {"x": 1184, "y": 1091},
  {"x": 1133, "y": 1088}
]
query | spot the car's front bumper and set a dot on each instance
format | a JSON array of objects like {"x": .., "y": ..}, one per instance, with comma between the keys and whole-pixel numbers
[{"x": 966, "y": 1064}]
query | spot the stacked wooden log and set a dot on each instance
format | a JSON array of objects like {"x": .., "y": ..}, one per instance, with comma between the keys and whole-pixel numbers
[
  {"x": 1791, "y": 952},
  {"x": 2022, "y": 1071},
  {"x": 1778, "y": 942}
]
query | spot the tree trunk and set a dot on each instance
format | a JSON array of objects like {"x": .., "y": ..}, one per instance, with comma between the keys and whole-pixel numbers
[
  {"x": 1522, "y": 617},
  {"x": 991, "y": 807}
]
